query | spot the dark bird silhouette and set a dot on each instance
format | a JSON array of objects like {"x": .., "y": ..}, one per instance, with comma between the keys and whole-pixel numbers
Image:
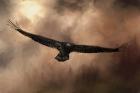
[{"x": 64, "y": 48}]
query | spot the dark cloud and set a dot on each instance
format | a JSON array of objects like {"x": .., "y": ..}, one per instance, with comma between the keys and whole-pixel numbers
[
  {"x": 72, "y": 5},
  {"x": 33, "y": 68},
  {"x": 128, "y": 3},
  {"x": 129, "y": 61},
  {"x": 6, "y": 57},
  {"x": 5, "y": 6}
]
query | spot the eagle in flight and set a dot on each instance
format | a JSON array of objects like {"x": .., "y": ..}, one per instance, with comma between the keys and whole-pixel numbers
[{"x": 64, "y": 48}]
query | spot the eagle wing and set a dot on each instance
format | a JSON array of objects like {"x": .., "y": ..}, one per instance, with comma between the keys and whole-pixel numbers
[
  {"x": 65, "y": 48},
  {"x": 40, "y": 39},
  {"x": 92, "y": 49}
]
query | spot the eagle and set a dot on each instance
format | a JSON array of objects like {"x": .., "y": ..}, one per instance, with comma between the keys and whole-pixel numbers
[{"x": 64, "y": 48}]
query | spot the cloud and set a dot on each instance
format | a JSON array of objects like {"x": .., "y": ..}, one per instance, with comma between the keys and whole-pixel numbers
[
  {"x": 5, "y": 6},
  {"x": 28, "y": 67},
  {"x": 128, "y": 3}
]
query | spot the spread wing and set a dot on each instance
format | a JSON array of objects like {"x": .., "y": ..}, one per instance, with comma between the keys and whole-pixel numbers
[
  {"x": 40, "y": 39},
  {"x": 92, "y": 49},
  {"x": 65, "y": 48}
]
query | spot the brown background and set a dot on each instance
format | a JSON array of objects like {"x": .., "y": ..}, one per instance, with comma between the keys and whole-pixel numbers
[{"x": 28, "y": 67}]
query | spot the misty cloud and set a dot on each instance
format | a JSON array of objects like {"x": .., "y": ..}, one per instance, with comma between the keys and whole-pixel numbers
[
  {"x": 73, "y": 5},
  {"x": 5, "y": 6},
  {"x": 128, "y": 3},
  {"x": 28, "y": 67}
]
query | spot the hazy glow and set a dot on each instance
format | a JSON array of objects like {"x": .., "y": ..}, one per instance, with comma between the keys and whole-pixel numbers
[{"x": 31, "y": 9}]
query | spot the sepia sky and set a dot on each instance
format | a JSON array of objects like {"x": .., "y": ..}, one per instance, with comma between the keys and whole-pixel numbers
[{"x": 28, "y": 67}]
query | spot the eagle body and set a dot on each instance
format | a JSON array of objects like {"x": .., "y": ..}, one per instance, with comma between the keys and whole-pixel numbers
[{"x": 64, "y": 48}]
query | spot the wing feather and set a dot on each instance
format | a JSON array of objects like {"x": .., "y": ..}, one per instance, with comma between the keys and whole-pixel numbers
[
  {"x": 92, "y": 49},
  {"x": 40, "y": 39},
  {"x": 68, "y": 47}
]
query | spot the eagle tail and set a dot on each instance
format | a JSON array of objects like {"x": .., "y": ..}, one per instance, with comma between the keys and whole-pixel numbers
[{"x": 61, "y": 58}]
